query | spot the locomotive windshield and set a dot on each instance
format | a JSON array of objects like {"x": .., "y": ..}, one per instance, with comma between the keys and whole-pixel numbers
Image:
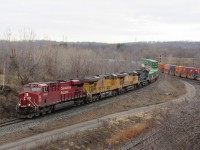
[
  {"x": 34, "y": 89},
  {"x": 27, "y": 89}
]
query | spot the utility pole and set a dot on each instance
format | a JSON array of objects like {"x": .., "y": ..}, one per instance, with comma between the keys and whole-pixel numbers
[
  {"x": 4, "y": 70},
  {"x": 160, "y": 58}
]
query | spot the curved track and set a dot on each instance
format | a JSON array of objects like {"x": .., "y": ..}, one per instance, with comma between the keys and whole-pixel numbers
[{"x": 10, "y": 122}]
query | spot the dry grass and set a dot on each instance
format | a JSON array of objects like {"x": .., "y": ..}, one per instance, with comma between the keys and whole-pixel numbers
[
  {"x": 105, "y": 136},
  {"x": 127, "y": 134}
]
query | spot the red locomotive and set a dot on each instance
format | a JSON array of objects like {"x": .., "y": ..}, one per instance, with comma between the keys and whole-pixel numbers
[{"x": 41, "y": 98}]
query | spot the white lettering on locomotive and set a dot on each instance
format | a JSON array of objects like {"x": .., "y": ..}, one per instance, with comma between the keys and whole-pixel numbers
[
  {"x": 45, "y": 94},
  {"x": 66, "y": 88},
  {"x": 64, "y": 92},
  {"x": 28, "y": 98}
]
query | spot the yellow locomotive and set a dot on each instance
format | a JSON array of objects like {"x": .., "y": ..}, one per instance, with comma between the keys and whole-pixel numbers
[{"x": 109, "y": 85}]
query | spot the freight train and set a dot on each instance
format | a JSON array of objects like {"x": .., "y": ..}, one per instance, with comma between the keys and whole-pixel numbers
[
  {"x": 180, "y": 71},
  {"x": 41, "y": 98}
]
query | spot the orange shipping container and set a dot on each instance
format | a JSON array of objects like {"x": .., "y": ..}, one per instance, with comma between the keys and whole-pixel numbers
[
  {"x": 161, "y": 67},
  {"x": 178, "y": 70}
]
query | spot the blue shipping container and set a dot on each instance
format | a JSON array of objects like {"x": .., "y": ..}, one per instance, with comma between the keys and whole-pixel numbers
[{"x": 172, "y": 67}]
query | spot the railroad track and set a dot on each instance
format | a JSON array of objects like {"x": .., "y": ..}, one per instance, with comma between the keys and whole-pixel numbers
[
  {"x": 10, "y": 122},
  {"x": 192, "y": 81},
  {"x": 142, "y": 143}
]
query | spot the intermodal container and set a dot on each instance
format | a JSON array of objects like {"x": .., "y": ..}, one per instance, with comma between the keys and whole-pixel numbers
[
  {"x": 192, "y": 72},
  {"x": 154, "y": 64},
  {"x": 178, "y": 70},
  {"x": 172, "y": 70},
  {"x": 198, "y": 75},
  {"x": 166, "y": 68},
  {"x": 181, "y": 69},
  {"x": 161, "y": 67},
  {"x": 184, "y": 72},
  {"x": 196, "y": 72}
]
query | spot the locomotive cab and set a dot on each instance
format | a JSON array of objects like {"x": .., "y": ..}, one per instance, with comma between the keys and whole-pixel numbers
[{"x": 31, "y": 96}]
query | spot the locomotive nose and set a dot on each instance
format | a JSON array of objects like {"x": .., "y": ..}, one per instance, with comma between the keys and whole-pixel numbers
[{"x": 26, "y": 99}]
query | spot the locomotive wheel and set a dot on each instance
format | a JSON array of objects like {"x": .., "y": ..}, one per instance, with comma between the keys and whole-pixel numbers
[
  {"x": 49, "y": 111},
  {"x": 44, "y": 113},
  {"x": 114, "y": 93},
  {"x": 76, "y": 103},
  {"x": 90, "y": 100},
  {"x": 85, "y": 101},
  {"x": 37, "y": 114},
  {"x": 30, "y": 116},
  {"x": 96, "y": 98},
  {"x": 82, "y": 102}
]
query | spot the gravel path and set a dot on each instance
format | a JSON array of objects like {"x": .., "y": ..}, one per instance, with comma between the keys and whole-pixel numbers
[{"x": 33, "y": 141}]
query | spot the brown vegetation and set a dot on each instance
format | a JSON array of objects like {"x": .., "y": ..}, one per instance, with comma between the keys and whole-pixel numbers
[
  {"x": 102, "y": 137},
  {"x": 8, "y": 101},
  {"x": 7, "y": 106},
  {"x": 127, "y": 134}
]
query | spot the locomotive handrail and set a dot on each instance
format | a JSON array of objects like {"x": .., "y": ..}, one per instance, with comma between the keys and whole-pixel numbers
[{"x": 35, "y": 105}]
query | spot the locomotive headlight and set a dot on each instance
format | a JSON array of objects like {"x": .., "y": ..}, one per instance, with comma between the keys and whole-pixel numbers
[
  {"x": 39, "y": 97},
  {"x": 27, "y": 94},
  {"x": 29, "y": 104},
  {"x": 19, "y": 104}
]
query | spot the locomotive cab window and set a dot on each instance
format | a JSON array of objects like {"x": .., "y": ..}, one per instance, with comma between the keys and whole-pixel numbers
[
  {"x": 27, "y": 89},
  {"x": 36, "y": 89},
  {"x": 45, "y": 89}
]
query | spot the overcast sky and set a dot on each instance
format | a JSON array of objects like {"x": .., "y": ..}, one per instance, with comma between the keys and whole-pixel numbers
[{"x": 108, "y": 21}]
